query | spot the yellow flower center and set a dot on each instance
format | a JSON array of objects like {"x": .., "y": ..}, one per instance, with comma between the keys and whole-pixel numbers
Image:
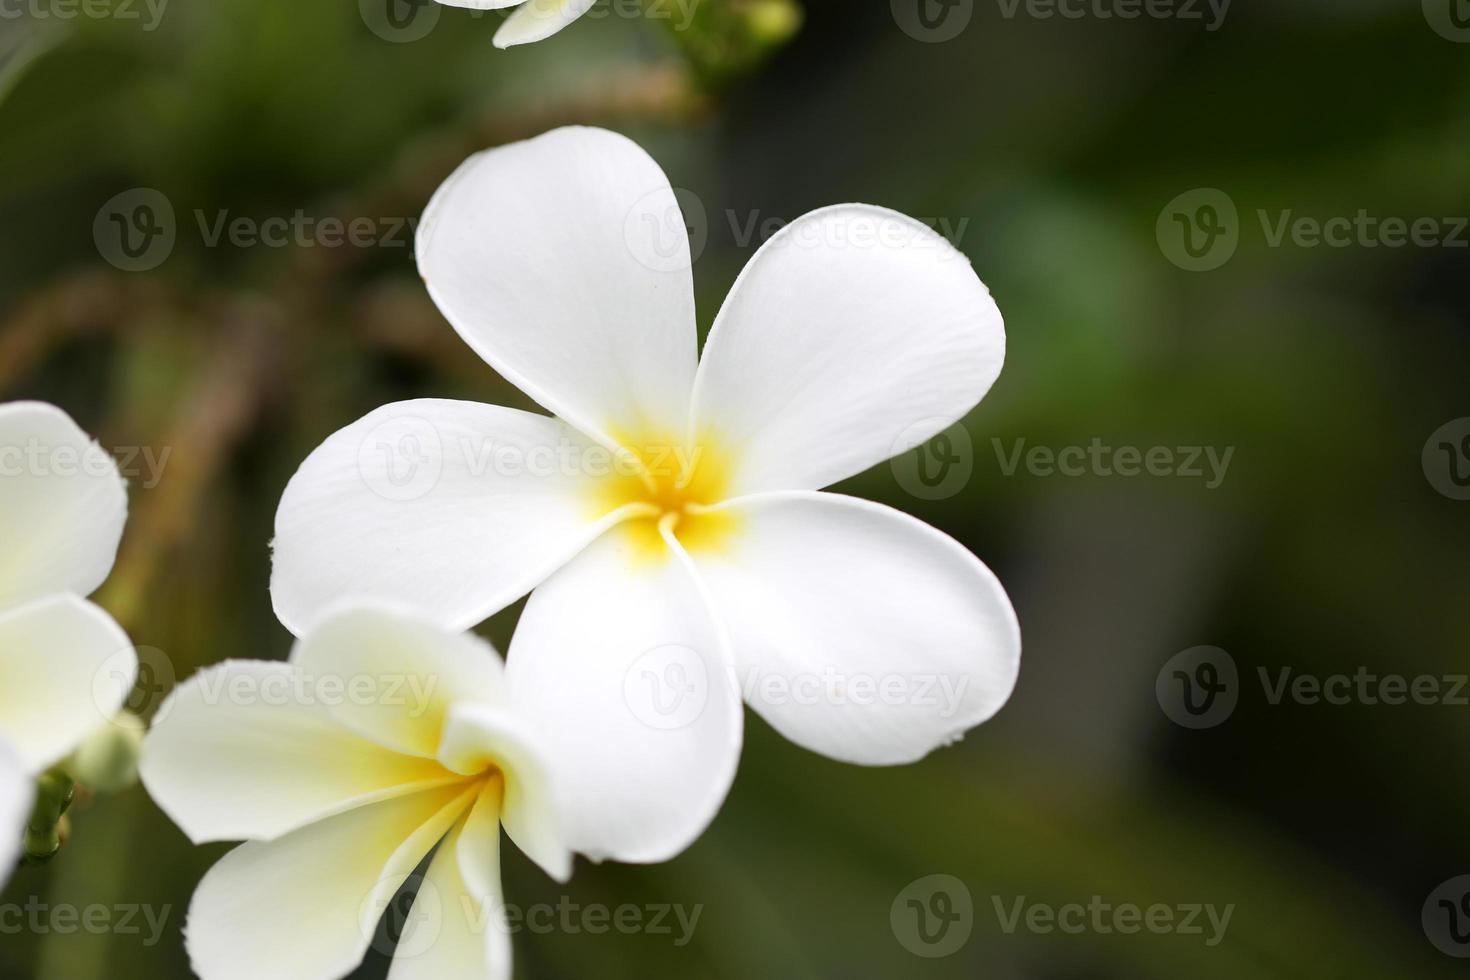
[{"x": 672, "y": 486}]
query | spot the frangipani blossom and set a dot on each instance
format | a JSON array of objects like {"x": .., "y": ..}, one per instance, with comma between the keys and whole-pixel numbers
[
  {"x": 65, "y": 665},
  {"x": 532, "y": 20},
  {"x": 669, "y": 518},
  {"x": 342, "y": 769}
]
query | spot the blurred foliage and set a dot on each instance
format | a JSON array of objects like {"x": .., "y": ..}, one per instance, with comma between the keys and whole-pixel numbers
[{"x": 1049, "y": 147}]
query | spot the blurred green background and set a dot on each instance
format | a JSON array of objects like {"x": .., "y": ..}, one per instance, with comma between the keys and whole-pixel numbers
[{"x": 1051, "y": 150}]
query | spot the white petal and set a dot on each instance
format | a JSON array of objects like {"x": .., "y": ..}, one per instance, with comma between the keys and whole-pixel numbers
[
  {"x": 855, "y": 334},
  {"x": 536, "y": 253},
  {"x": 398, "y": 674},
  {"x": 619, "y": 666},
  {"x": 455, "y": 508},
  {"x": 482, "y": 4},
  {"x": 537, "y": 20},
  {"x": 457, "y": 927},
  {"x": 65, "y": 668},
  {"x": 62, "y": 505},
  {"x": 17, "y": 793},
  {"x": 860, "y": 632},
  {"x": 244, "y": 751},
  {"x": 478, "y": 735},
  {"x": 304, "y": 907}
]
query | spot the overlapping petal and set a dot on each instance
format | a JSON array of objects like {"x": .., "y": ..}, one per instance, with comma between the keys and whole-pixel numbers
[
  {"x": 455, "y": 508},
  {"x": 65, "y": 668},
  {"x": 249, "y": 750},
  {"x": 860, "y": 632},
  {"x": 527, "y": 799},
  {"x": 62, "y": 505},
  {"x": 854, "y": 334},
  {"x": 619, "y": 665},
  {"x": 538, "y": 254},
  {"x": 536, "y": 20},
  {"x": 398, "y": 674},
  {"x": 17, "y": 792},
  {"x": 304, "y": 906}
]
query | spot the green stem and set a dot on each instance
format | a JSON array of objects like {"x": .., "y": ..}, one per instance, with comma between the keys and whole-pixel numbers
[{"x": 54, "y": 792}]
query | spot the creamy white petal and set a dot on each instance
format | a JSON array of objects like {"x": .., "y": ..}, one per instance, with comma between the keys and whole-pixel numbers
[
  {"x": 249, "y": 750},
  {"x": 398, "y": 674},
  {"x": 536, "y": 20},
  {"x": 17, "y": 793},
  {"x": 62, "y": 505},
  {"x": 482, "y": 4},
  {"x": 457, "y": 927},
  {"x": 477, "y": 737},
  {"x": 538, "y": 253},
  {"x": 855, "y": 334},
  {"x": 860, "y": 632},
  {"x": 620, "y": 668},
  {"x": 455, "y": 508},
  {"x": 304, "y": 907},
  {"x": 65, "y": 668}
]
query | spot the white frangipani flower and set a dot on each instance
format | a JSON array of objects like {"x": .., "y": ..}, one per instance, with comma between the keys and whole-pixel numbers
[
  {"x": 533, "y": 20},
  {"x": 342, "y": 769},
  {"x": 65, "y": 665},
  {"x": 669, "y": 518}
]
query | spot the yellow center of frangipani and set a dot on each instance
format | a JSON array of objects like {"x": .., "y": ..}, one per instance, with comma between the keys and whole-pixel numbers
[{"x": 670, "y": 485}]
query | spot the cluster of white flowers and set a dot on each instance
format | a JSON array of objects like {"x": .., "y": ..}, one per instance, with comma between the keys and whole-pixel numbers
[{"x": 832, "y": 354}]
